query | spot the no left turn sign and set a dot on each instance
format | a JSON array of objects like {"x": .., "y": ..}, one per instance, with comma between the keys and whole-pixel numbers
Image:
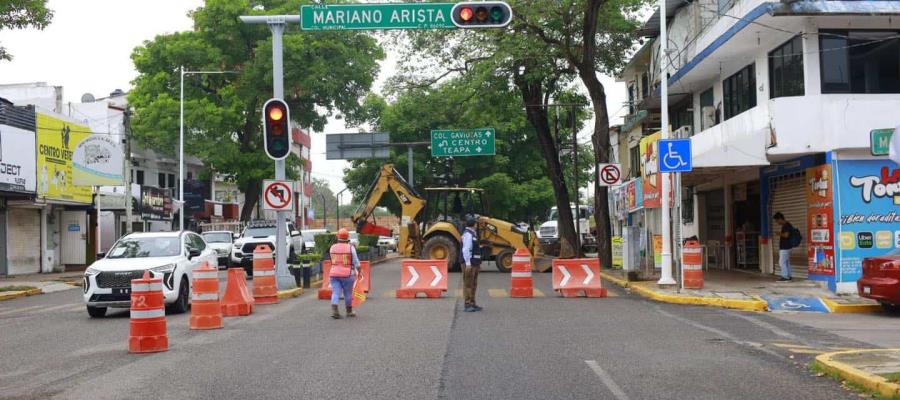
[
  {"x": 609, "y": 174},
  {"x": 278, "y": 195}
]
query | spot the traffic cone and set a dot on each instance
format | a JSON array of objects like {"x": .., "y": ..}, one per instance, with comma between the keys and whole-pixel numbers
[
  {"x": 148, "y": 316},
  {"x": 206, "y": 311},
  {"x": 522, "y": 284},
  {"x": 237, "y": 300},
  {"x": 265, "y": 290}
]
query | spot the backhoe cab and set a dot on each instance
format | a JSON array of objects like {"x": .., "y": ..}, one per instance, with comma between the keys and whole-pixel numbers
[{"x": 431, "y": 227}]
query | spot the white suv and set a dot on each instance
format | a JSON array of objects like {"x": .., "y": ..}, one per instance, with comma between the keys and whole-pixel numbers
[
  {"x": 169, "y": 255},
  {"x": 263, "y": 232}
]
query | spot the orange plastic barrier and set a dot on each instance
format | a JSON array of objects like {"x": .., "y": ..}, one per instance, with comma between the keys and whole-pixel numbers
[
  {"x": 522, "y": 284},
  {"x": 237, "y": 299},
  {"x": 148, "y": 316},
  {"x": 325, "y": 291},
  {"x": 265, "y": 289},
  {"x": 206, "y": 310},
  {"x": 692, "y": 264},
  {"x": 422, "y": 276},
  {"x": 573, "y": 276}
]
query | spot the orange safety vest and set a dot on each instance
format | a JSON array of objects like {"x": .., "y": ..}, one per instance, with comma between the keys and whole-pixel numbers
[{"x": 341, "y": 260}]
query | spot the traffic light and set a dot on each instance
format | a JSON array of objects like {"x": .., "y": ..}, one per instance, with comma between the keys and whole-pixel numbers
[
  {"x": 276, "y": 129},
  {"x": 481, "y": 14}
]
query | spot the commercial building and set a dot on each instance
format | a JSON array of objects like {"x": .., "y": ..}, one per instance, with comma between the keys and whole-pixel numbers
[{"x": 781, "y": 101}]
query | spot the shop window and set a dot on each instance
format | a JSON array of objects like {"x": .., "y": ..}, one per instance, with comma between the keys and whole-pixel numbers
[
  {"x": 634, "y": 162},
  {"x": 683, "y": 115},
  {"x": 786, "y": 69},
  {"x": 631, "y": 98},
  {"x": 739, "y": 92},
  {"x": 860, "y": 61},
  {"x": 140, "y": 177},
  {"x": 162, "y": 180},
  {"x": 171, "y": 180}
]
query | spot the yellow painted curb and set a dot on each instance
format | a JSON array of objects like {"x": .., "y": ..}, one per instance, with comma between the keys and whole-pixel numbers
[
  {"x": 836, "y": 307},
  {"x": 32, "y": 292},
  {"x": 847, "y": 372},
  {"x": 13, "y": 295},
  {"x": 284, "y": 294},
  {"x": 642, "y": 289}
]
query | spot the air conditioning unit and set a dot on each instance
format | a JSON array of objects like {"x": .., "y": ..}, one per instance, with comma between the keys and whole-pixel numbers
[
  {"x": 708, "y": 116},
  {"x": 683, "y": 132}
]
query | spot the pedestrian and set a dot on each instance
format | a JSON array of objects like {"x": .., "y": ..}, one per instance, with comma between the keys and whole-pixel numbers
[
  {"x": 344, "y": 269},
  {"x": 787, "y": 240},
  {"x": 471, "y": 255}
]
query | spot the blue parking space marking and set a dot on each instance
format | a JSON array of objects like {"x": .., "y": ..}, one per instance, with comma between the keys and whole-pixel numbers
[{"x": 795, "y": 304}]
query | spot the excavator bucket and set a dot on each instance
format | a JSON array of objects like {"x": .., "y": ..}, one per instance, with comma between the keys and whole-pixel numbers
[
  {"x": 542, "y": 263},
  {"x": 368, "y": 228}
]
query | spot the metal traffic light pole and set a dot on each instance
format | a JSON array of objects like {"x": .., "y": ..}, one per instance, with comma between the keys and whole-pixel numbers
[{"x": 276, "y": 25}]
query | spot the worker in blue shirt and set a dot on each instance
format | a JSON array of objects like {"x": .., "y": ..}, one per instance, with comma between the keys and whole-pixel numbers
[{"x": 471, "y": 255}]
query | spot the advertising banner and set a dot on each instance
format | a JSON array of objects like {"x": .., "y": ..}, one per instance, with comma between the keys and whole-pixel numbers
[
  {"x": 17, "y": 171},
  {"x": 868, "y": 200},
  {"x": 657, "y": 251},
  {"x": 98, "y": 161},
  {"x": 820, "y": 220},
  {"x": 651, "y": 179},
  {"x": 156, "y": 203},
  {"x": 618, "y": 259},
  {"x": 56, "y": 142}
]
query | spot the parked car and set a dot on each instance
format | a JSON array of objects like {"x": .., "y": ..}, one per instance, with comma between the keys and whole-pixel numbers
[
  {"x": 169, "y": 255},
  {"x": 881, "y": 280},
  {"x": 221, "y": 242},
  {"x": 387, "y": 242},
  {"x": 309, "y": 239},
  {"x": 262, "y": 232}
]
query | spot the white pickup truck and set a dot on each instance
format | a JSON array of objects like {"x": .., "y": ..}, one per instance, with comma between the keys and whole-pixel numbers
[
  {"x": 263, "y": 232},
  {"x": 548, "y": 233}
]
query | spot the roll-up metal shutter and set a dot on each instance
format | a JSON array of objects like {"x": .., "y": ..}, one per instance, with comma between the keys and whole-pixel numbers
[{"x": 789, "y": 198}]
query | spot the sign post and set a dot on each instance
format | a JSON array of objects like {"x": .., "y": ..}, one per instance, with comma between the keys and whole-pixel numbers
[{"x": 463, "y": 142}]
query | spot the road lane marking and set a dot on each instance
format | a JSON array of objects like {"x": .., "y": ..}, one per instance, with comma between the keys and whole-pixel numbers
[
  {"x": 498, "y": 293},
  {"x": 459, "y": 293},
  {"x": 607, "y": 380},
  {"x": 715, "y": 331},
  {"x": 55, "y": 308},
  {"x": 539, "y": 293},
  {"x": 18, "y": 310},
  {"x": 390, "y": 293}
]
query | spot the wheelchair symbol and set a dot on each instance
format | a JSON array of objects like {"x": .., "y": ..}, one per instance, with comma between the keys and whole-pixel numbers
[
  {"x": 790, "y": 305},
  {"x": 672, "y": 160}
]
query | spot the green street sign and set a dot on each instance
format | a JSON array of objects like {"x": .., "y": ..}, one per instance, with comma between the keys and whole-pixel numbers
[
  {"x": 321, "y": 17},
  {"x": 462, "y": 142},
  {"x": 881, "y": 141}
]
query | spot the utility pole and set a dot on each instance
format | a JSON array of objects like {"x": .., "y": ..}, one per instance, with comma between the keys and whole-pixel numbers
[
  {"x": 127, "y": 168},
  {"x": 666, "y": 273},
  {"x": 276, "y": 24},
  {"x": 575, "y": 183}
]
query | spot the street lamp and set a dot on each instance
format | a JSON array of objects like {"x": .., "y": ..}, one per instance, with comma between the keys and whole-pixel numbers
[
  {"x": 338, "y": 197},
  {"x": 181, "y": 142}
]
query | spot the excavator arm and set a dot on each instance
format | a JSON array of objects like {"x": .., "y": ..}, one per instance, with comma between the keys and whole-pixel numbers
[{"x": 411, "y": 204}]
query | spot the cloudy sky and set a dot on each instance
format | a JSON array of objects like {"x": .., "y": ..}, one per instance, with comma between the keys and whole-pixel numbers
[{"x": 87, "y": 46}]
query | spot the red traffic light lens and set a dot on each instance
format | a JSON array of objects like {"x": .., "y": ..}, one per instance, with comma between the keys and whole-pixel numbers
[
  {"x": 466, "y": 14},
  {"x": 276, "y": 113}
]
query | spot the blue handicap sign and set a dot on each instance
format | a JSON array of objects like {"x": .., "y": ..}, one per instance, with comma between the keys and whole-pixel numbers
[
  {"x": 795, "y": 303},
  {"x": 675, "y": 155}
]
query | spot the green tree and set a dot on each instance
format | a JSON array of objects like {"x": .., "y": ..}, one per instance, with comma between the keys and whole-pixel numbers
[
  {"x": 516, "y": 184},
  {"x": 549, "y": 46},
  {"x": 324, "y": 73},
  {"x": 19, "y": 14}
]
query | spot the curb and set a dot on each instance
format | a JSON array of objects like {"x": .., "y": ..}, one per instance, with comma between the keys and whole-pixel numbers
[
  {"x": 290, "y": 293},
  {"x": 836, "y": 307},
  {"x": 13, "y": 295},
  {"x": 746, "y": 305},
  {"x": 847, "y": 372}
]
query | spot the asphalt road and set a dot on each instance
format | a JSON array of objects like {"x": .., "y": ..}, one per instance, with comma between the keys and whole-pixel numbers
[{"x": 620, "y": 347}]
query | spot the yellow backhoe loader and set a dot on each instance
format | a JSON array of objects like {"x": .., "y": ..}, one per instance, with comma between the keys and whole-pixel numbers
[{"x": 430, "y": 226}]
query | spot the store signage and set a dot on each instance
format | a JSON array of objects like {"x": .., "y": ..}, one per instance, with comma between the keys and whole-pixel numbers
[
  {"x": 98, "y": 161},
  {"x": 17, "y": 160},
  {"x": 56, "y": 141},
  {"x": 820, "y": 220},
  {"x": 156, "y": 203}
]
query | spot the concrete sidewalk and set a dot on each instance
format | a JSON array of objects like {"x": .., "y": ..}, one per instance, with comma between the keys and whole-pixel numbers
[
  {"x": 744, "y": 291},
  {"x": 876, "y": 370},
  {"x": 45, "y": 283}
]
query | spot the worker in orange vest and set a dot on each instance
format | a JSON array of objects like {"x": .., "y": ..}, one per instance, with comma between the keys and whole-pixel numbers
[{"x": 344, "y": 267}]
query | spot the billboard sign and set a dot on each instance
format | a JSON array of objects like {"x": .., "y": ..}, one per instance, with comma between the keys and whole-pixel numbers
[
  {"x": 56, "y": 142},
  {"x": 98, "y": 161},
  {"x": 156, "y": 203},
  {"x": 17, "y": 171}
]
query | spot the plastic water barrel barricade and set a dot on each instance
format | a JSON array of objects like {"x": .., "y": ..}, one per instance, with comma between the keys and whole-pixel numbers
[
  {"x": 206, "y": 310},
  {"x": 521, "y": 281},
  {"x": 265, "y": 289},
  {"x": 692, "y": 264},
  {"x": 325, "y": 291},
  {"x": 148, "y": 316}
]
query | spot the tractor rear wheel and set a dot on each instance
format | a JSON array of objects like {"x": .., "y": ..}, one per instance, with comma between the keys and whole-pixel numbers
[{"x": 442, "y": 247}]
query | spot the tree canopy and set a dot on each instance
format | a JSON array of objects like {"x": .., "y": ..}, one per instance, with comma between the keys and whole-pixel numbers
[
  {"x": 19, "y": 14},
  {"x": 324, "y": 73}
]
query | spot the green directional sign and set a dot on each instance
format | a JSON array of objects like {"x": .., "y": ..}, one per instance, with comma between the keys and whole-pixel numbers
[
  {"x": 462, "y": 142},
  {"x": 881, "y": 141},
  {"x": 321, "y": 17}
]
